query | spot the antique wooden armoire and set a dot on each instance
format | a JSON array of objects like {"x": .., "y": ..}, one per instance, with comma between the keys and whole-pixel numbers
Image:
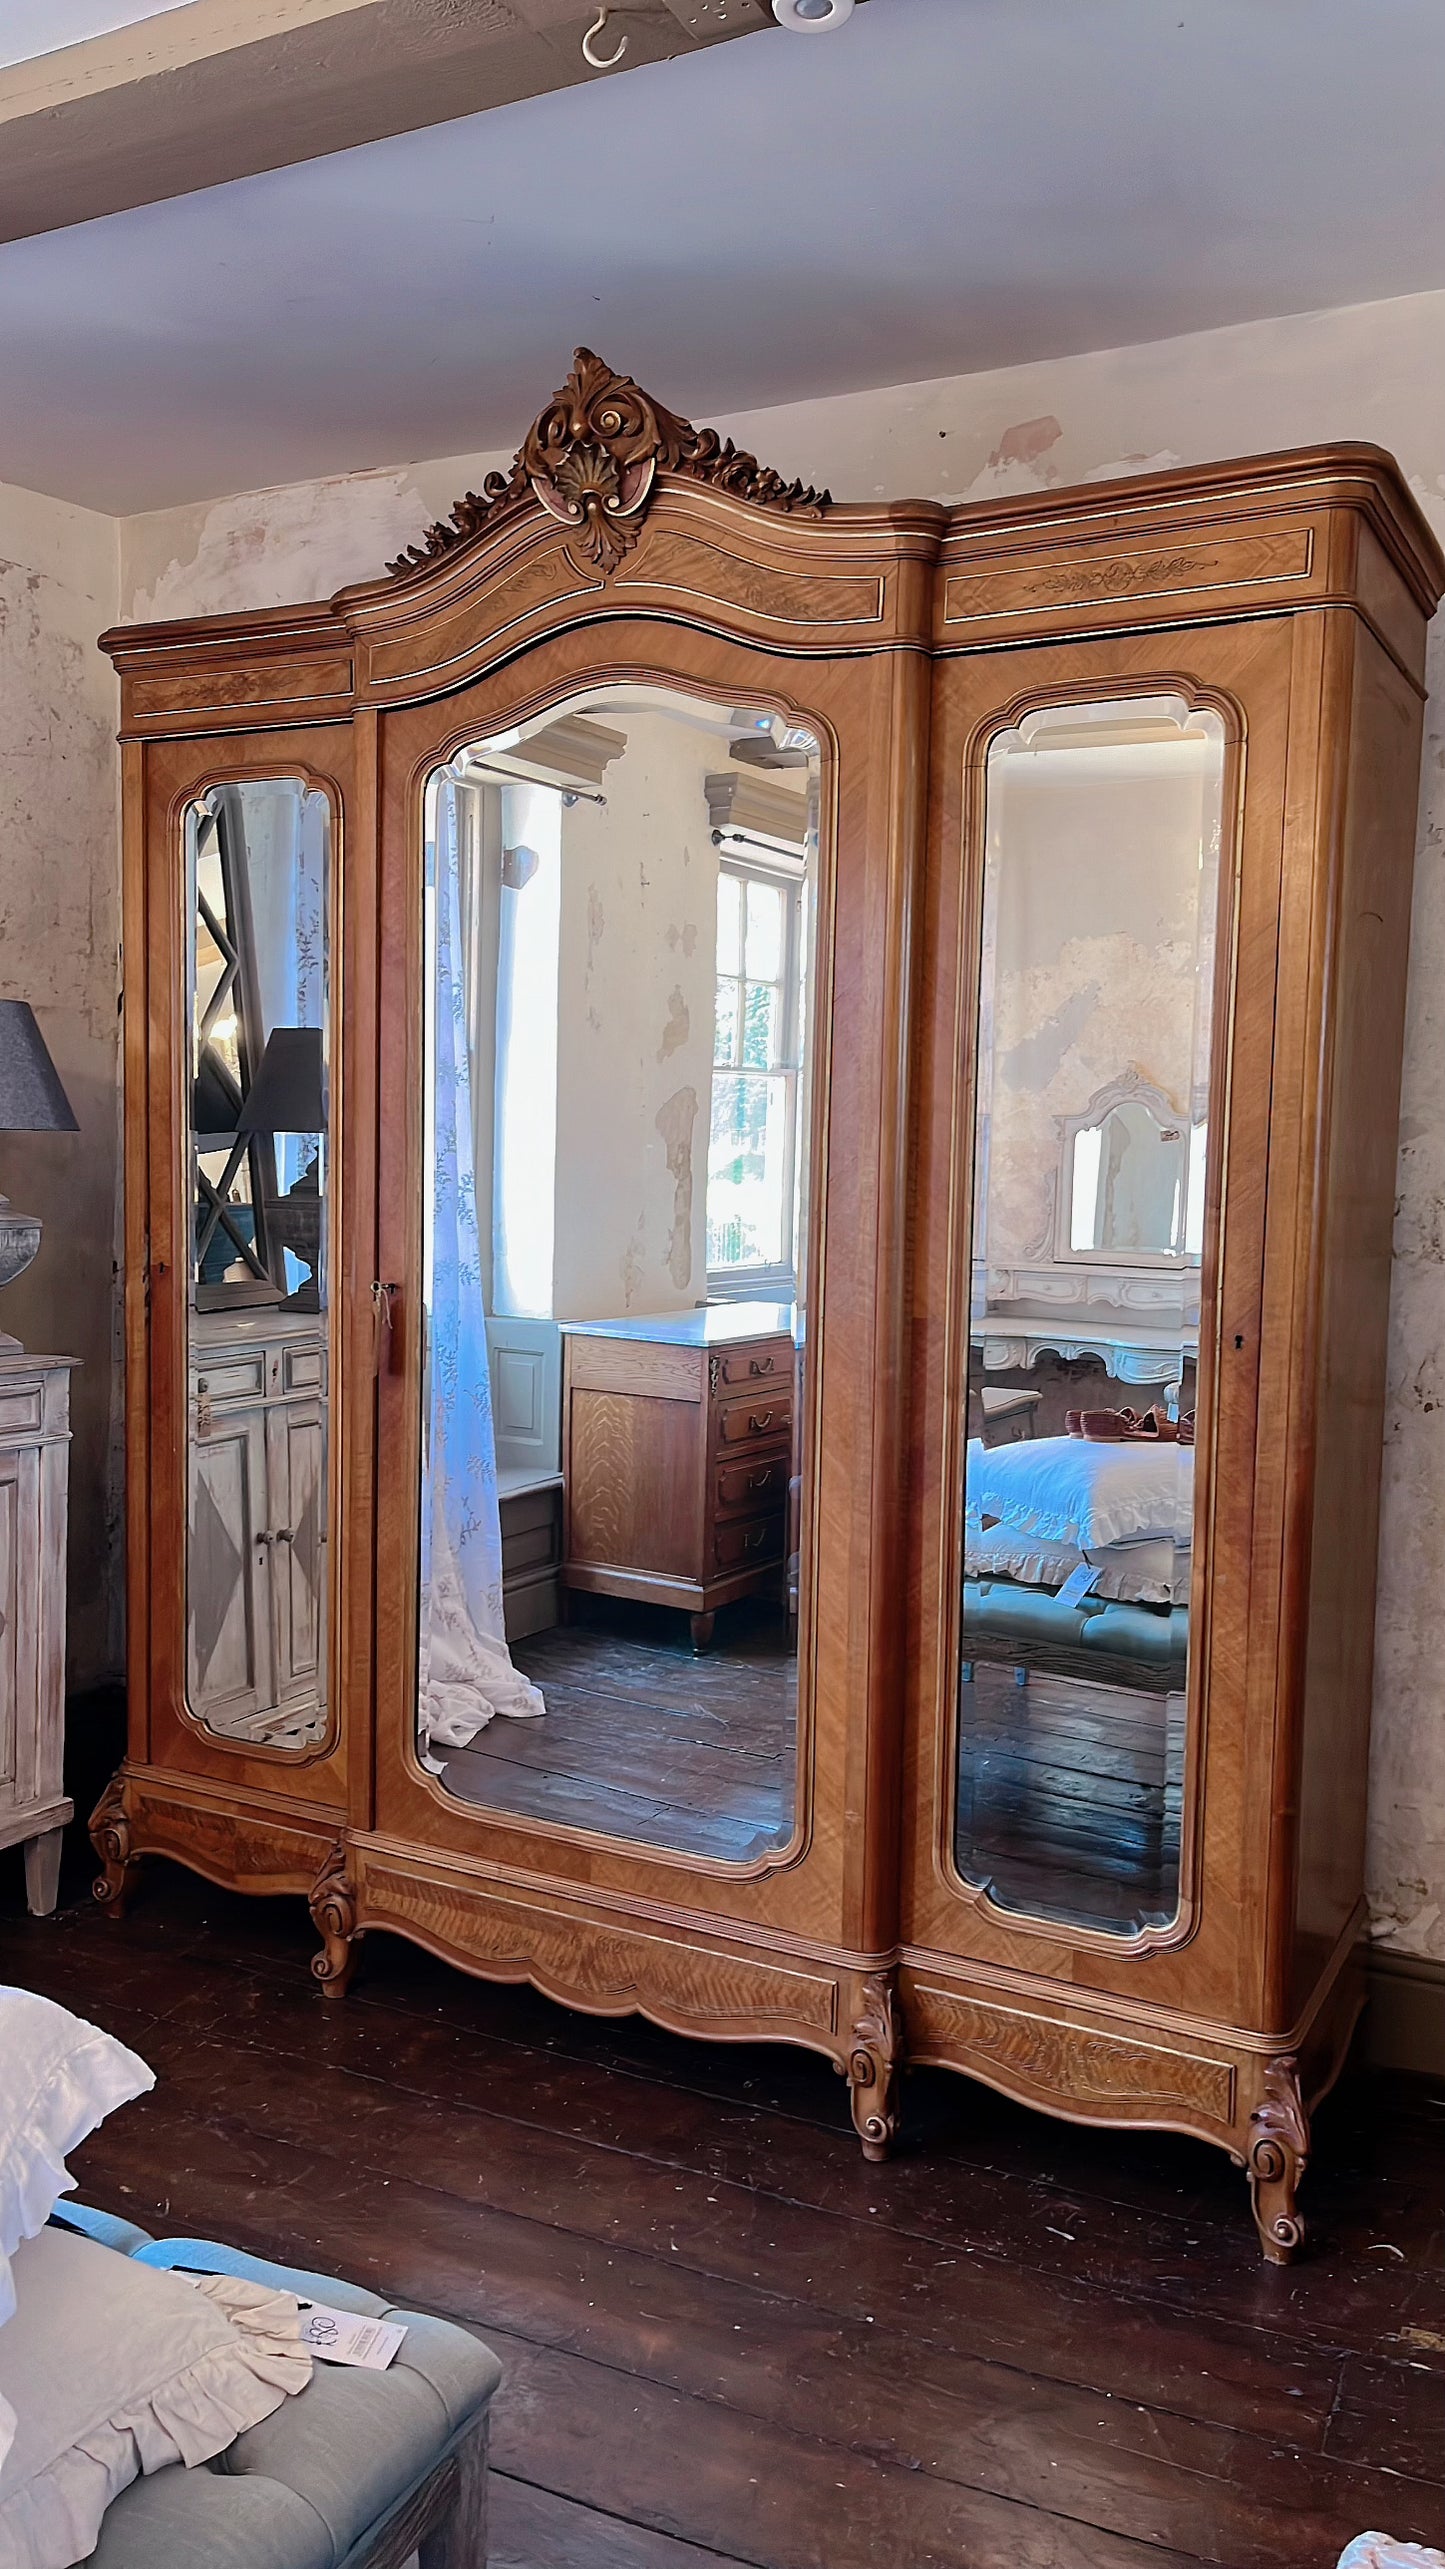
[{"x": 904, "y": 1005}]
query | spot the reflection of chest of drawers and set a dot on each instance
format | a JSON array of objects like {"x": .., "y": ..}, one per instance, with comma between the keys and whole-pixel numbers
[
  {"x": 678, "y": 1437},
  {"x": 256, "y": 1576}
]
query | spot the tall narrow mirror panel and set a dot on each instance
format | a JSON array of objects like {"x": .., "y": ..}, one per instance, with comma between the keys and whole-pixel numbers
[
  {"x": 618, "y": 962},
  {"x": 257, "y": 990},
  {"x": 1101, "y": 888}
]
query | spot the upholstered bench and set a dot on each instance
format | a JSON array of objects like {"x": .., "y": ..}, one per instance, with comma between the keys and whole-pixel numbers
[{"x": 358, "y": 2471}]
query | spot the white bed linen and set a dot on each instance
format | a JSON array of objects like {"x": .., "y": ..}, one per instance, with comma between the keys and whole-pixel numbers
[
  {"x": 1067, "y": 1489},
  {"x": 1152, "y": 1571}
]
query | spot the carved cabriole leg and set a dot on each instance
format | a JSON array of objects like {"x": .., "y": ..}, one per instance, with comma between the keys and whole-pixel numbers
[
  {"x": 333, "y": 1914},
  {"x": 110, "y": 1837},
  {"x": 873, "y": 2060},
  {"x": 1278, "y": 2155}
]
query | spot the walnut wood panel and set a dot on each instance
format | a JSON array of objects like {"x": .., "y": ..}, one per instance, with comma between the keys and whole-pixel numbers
[
  {"x": 1248, "y": 673},
  {"x": 596, "y": 1963},
  {"x": 1365, "y": 935},
  {"x": 1277, "y": 532},
  {"x": 838, "y": 1878},
  {"x": 1062, "y": 2061}
]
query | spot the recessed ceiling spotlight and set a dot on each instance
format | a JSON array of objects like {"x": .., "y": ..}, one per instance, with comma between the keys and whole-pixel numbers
[{"x": 812, "y": 17}]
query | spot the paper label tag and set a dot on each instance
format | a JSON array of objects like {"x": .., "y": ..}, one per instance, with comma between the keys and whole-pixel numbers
[
  {"x": 1079, "y": 1584},
  {"x": 344, "y": 2337}
]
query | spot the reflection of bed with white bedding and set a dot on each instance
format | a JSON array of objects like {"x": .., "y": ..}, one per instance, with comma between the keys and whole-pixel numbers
[{"x": 1038, "y": 1512}]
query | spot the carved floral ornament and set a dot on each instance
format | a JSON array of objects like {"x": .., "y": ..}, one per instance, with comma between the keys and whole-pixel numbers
[{"x": 591, "y": 460}]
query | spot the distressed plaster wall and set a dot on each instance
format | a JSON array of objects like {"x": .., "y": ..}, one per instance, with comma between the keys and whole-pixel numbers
[
  {"x": 1374, "y": 371},
  {"x": 59, "y": 931},
  {"x": 1098, "y": 959},
  {"x": 635, "y": 1026}
]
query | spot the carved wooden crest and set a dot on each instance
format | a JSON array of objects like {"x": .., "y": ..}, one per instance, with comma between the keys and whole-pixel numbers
[{"x": 591, "y": 459}]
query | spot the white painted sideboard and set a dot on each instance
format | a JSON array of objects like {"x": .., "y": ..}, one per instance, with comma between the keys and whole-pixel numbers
[{"x": 34, "y": 1482}]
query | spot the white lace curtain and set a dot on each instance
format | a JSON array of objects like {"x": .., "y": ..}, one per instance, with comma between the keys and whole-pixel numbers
[{"x": 465, "y": 1673}]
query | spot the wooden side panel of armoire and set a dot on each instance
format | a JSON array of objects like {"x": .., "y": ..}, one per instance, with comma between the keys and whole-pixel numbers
[{"x": 1373, "y": 712}]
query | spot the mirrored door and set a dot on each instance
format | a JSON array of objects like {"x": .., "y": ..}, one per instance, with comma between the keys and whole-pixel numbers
[
  {"x": 1091, "y": 1178},
  {"x": 620, "y": 901},
  {"x": 258, "y": 1003}
]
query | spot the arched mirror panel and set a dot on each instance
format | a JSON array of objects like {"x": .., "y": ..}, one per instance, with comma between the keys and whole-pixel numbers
[
  {"x": 620, "y": 902},
  {"x": 1102, "y": 827},
  {"x": 258, "y": 1188}
]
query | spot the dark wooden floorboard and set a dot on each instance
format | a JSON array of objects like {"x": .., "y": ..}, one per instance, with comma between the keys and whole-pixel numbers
[
  {"x": 645, "y": 1738},
  {"x": 732, "y": 2345}
]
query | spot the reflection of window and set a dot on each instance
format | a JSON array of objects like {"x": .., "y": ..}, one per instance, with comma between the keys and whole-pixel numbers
[{"x": 753, "y": 1157}]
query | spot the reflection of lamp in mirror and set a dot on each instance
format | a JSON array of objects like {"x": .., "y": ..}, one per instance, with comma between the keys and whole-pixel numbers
[
  {"x": 31, "y": 1101},
  {"x": 288, "y": 1095}
]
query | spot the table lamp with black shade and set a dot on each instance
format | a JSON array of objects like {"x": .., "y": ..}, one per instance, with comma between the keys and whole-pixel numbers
[
  {"x": 288, "y": 1095},
  {"x": 31, "y": 1101}
]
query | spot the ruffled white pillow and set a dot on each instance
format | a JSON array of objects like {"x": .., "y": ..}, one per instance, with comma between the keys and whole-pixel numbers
[
  {"x": 112, "y": 2370},
  {"x": 59, "y": 2077}
]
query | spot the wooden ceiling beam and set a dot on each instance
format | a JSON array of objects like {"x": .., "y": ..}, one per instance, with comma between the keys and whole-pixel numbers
[{"x": 219, "y": 89}]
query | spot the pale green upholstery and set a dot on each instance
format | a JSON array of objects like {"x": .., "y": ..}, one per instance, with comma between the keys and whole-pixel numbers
[{"x": 314, "y": 2485}]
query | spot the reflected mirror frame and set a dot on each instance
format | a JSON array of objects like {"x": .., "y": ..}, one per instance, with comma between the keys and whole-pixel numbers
[
  {"x": 1196, "y": 701},
  {"x": 526, "y": 715},
  {"x": 190, "y": 804}
]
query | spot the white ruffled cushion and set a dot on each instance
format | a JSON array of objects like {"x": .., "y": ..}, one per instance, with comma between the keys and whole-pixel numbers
[
  {"x": 59, "y": 2078},
  {"x": 113, "y": 2370}
]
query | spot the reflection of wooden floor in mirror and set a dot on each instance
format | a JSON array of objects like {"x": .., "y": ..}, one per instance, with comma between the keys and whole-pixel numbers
[
  {"x": 1069, "y": 1797},
  {"x": 643, "y": 1739}
]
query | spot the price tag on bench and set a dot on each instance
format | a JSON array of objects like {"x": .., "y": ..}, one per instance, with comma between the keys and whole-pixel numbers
[
  {"x": 344, "y": 2337},
  {"x": 1079, "y": 1584}
]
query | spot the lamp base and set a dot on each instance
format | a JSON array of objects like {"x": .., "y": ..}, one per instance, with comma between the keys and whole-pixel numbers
[{"x": 19, "y": 1240}]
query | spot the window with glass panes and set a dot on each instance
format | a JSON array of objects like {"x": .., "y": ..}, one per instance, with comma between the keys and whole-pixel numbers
[{"x": 753, "y": 1154}]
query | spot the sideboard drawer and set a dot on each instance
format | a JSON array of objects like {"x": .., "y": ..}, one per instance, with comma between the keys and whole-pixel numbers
[
  {"x": 22, "y": 1409},
  {"x": 236, "y": 1378}
]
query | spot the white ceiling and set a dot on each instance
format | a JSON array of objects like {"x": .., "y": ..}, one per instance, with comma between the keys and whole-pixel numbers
[
  {"x": 31, "y": 27},
  {"x": 941, "y": 186}
]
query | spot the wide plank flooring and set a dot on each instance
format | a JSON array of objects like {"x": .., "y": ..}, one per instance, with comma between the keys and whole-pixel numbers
[
  {"x": 645, "y": 1738},
  {"x": 729, "y": 2343}
]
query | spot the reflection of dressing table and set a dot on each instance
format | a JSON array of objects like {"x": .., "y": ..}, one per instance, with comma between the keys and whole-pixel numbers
[{"x": 676, "y": 1456}]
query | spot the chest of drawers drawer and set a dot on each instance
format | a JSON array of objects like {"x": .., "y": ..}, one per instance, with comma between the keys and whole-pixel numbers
[
  {"x": 764, "y": 1419},
  {"x": 759, "y": 1482},
  {"x": 741, "y": 1542}
]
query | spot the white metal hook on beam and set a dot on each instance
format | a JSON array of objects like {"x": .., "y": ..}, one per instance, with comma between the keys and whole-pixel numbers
[{"x": 602, "y": 62}]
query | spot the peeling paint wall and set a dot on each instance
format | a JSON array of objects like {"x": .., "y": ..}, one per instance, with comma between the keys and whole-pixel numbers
[
  {"x": 59, "y": 931},
  {"x": 635, "y": 1027},
  {"x": 1370, "y": 371}
]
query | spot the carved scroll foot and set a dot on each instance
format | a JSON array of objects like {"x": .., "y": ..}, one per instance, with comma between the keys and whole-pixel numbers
[
  {"x": 111, "y": 1839},
  {"x": 333, "y": 1914},
  {"x": 873, "y": 2060},
  {"x": 1278, "y": 2156}
]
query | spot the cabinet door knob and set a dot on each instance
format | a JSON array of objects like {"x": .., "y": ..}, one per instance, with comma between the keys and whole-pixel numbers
[{"x": 265, "y": 1541}]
